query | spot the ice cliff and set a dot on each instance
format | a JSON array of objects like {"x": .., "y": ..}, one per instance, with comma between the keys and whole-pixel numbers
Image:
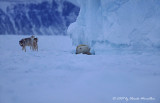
[{"x": 131, "y": 24}]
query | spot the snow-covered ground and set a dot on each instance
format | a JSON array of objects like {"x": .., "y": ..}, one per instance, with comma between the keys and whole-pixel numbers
[{"x": 55, "y": 75}]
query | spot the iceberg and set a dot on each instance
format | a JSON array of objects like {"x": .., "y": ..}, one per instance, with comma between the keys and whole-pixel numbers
[{"x": 102, "y": 24}]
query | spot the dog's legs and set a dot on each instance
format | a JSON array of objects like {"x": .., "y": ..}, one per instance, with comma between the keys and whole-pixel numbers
[
  {"x": 37, "y": 48},
  {"x": 24, "y": 48},
  {"x": 31, "y": 47},
  {"x": 32, "y": 42}
]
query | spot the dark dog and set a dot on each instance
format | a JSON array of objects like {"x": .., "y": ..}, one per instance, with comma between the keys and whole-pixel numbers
[{"x": 35, "y": 44}]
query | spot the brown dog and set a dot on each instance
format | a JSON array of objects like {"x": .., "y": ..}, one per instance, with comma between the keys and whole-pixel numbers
[{"x": 31, "y": 42}]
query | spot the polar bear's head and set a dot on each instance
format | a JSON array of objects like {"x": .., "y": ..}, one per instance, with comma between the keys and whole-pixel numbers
[{"x": 84, "y": 49}]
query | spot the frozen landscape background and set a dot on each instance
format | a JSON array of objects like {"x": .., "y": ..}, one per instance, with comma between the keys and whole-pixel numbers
[
  {"x": 123, "y": 34},
  {"x": 37, "y": 18}
]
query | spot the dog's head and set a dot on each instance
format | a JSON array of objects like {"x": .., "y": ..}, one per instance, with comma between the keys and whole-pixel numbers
[
  {"x": 36, "y": 40},
  {"x": 32, "y": 36},
  {"x": 21, "y": 42}
]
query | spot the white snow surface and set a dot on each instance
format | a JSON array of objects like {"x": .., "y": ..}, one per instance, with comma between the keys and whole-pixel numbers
[{"x": 55, "y": 74}]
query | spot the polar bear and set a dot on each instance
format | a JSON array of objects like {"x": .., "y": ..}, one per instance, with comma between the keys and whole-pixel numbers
[{"x": 84, "y": 49}]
